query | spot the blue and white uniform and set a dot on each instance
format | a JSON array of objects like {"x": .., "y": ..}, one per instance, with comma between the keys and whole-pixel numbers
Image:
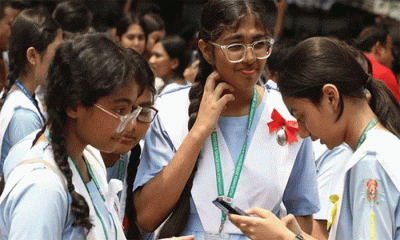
[
  {"x": 271, "y": 173},
  {"x": 369, "y": 203},
  {"x": 18, "y": 117},
  {"x": 35, "y": 203},
  {"x": 329, "y": 166}
]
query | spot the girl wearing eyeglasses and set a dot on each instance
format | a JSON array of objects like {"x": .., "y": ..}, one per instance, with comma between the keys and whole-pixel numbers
[
  {"x": 59, "y": 189},
  {"x": 242, "y": 144}
]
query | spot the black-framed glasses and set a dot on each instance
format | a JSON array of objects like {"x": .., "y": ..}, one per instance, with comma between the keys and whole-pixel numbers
[
  {"x": 237, "y": 51},
  {"x": 142, "y": 114}
]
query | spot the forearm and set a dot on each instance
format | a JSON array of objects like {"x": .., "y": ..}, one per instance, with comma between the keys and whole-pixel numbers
[
  {"x": 156, "y": 199},
  {"x": 319, "y": 230}
]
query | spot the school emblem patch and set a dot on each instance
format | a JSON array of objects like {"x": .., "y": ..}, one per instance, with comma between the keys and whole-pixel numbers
[{"x": 372, "y": 189}]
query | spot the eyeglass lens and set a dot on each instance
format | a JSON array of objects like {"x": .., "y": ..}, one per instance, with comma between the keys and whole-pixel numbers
[{"x": 261, "y": 49}]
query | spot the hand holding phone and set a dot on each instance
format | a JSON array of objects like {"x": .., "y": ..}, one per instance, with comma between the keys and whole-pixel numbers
[{"x": 226, "y": 208}]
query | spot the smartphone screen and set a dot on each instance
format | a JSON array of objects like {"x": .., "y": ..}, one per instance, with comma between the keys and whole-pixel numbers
[{"x": 226, "y": 208}]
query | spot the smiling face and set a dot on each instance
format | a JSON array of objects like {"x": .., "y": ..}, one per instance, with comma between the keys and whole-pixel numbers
[
  {"x": 244, "y": 74},
  {"x": 315, "y": 121},
  {"x": 134, "y": 38}
]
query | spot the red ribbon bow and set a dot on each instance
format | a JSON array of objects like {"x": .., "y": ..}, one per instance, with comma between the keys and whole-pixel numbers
[{"x": 291, "y": 127}]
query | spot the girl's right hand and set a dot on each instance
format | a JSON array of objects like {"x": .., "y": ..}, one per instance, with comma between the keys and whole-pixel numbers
[{"x": 213, "y": 102}]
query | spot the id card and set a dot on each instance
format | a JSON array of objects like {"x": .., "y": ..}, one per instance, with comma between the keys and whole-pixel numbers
[{"x": 216, "y": 236}]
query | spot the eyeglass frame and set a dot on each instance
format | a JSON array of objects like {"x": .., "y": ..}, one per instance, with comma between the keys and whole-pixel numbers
[
  {"x": 134, "y": 115},
  {"x": 247, "y": 46}
]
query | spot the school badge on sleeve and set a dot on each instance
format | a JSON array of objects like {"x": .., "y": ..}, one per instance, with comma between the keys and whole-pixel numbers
[{"x": 372, "y": 189}]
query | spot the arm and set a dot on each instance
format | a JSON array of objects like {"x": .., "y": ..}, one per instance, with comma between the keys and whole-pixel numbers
[
  {"x": 319, "y": 230},
  {"x": 22, "y": 123},
  {"x": 301, "y": 194},
  {"x": 156, "y": 199}
]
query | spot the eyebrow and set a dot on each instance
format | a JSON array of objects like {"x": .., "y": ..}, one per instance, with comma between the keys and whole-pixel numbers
[
  {"x": 146, "y": 104},
  {"x": 240, "y": 37},
  {"x": 123, "y": 100}
]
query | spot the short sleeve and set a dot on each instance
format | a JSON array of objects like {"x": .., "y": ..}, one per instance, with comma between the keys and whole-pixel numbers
[
  {"x": 370, "y": 203},
  {"x": 329, "y": 167},
  {"x": 301, "y": 194},
  {"x": 37, "y": 207},
  {"x": 158, "y": 151}
]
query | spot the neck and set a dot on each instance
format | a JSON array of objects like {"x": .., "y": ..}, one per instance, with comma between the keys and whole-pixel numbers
[
  {"x": 241, "y": 105},
  {"x": 29, "y": 84},
  {"x": 110, "y": 158},
  {"x": 75, "y": 147},
  {"x": 167, "y": 78},
  {"x": 357, "y": 123}
]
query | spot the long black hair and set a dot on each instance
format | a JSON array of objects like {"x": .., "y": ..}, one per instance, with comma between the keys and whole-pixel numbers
[
  {"x": 321, "y": 60},
  {"x": 83, "y": 70},
  {"x": 31, "y": 28},
  {"x": 217, "y": 16}
]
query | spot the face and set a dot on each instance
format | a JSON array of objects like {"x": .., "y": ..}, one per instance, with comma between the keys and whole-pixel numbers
[
  {"x": 386, "y": 57},
  {"x": 160, "y": 62},
  {"x": 135, "y": 132},
  {"x": 242, "y": 75},
  {"x": 97, "y": 127},
  {"x": 134, "y": 38},
  {"x": 5, "y": 24},
  {"x": 315, "y": 121},
  {"x": 43, "y": 60},
  {"x": 153, "y": 38}
]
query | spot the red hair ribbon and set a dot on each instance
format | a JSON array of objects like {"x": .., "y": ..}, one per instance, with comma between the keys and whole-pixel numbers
[{"x": 291, "y": 127}]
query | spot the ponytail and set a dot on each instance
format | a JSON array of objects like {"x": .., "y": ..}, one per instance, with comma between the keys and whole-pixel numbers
[{"x": 385, "y": 105}]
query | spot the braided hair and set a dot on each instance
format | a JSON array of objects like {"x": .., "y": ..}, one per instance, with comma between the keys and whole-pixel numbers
[
  {"x": 31, "y": 28},
  {"x": 83, "y": 70},
  {"x": 217, "y": 16}
]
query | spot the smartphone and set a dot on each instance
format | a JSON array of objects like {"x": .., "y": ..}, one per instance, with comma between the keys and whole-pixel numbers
[{"x": 226, "y": 208}]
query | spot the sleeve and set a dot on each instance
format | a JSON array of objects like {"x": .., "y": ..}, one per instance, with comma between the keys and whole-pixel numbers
[
  {"x": 22, "y": 123},
  {"x": 301, "y": 194},
  {"x": 329, "y": 166},
  {"x": 374, "y": 201},
  {"x": 37, "y": 207},
  {"x": 158, "y": 151}
]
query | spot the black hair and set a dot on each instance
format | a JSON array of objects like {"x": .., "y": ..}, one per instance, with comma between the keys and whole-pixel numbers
[
  {"x": 321, "y": 60},
  {"x": 127, "y": 20},
  {"x": 73, "y": 16},
  {"x": 10, "y": 3},
  {"x": 31, "y": 28},
  {"x": 216, "y": 16},
  {"x": 83, "y": 70},
  {"x": 176, "y": 47},
  {"x": 152, "y": 22},
  {"x": 370, "y": 36}
]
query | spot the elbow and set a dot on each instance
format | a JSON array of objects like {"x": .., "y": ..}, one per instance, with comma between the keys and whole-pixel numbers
[{"x": 146, "y": 223}]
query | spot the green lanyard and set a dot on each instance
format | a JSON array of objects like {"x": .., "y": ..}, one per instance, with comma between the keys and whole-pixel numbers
[
  {"x": 239, "y": 164},
  {"x": 369, "y": 126},
  {"x": 87, "y": 189}
]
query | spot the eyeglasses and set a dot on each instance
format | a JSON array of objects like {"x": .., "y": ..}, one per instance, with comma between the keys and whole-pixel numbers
[
  {"x": 236, "y": 52},
  {"x": 142, "y": 114}
]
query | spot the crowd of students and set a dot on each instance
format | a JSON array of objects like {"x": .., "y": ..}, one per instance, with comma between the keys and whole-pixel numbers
[{"x": 104, "y": 136}]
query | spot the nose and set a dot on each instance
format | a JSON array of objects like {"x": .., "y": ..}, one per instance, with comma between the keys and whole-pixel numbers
[
  {"x": 303, "y": 132},
  {"x": 131, "y": 126},
  {"x": 249, "y": 55},
  {"x": 151, "y": 60}
]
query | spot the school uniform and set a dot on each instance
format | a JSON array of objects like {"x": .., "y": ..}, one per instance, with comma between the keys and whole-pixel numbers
[
  {"x": 368, "y": 206},
  {"x": 271, "y": 174},
  {"x": 19, "y": 116},
  {"x": 36, "y": 204}
]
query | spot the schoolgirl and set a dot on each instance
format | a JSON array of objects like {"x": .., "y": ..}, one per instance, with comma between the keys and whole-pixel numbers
[
  {"x": 334, "y": 99},
  {"x": 34, "y": 37},
  {"x": 180, "y": 173},
  {"x": 59, "y": 189}
]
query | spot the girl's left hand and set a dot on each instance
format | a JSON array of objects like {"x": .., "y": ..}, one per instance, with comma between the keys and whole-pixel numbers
[{"x": 266, "y": 226}]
